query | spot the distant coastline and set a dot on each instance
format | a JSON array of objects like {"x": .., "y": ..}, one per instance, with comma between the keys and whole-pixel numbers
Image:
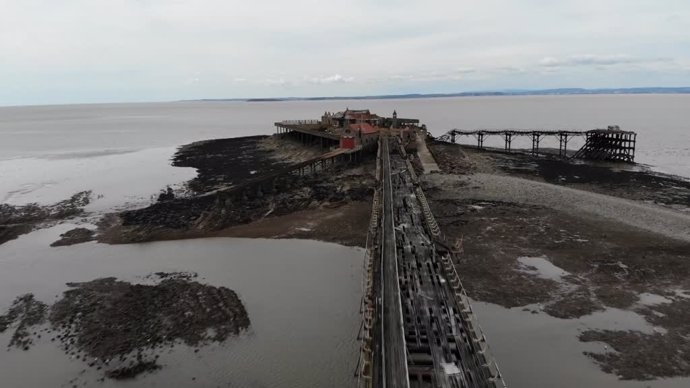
[{"x": 510, "y": 92}]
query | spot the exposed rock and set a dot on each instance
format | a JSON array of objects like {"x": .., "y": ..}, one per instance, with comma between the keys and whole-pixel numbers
[
  {"x": 24, "y": 313},
  {"x": 119, "y": 326},
  {"x": 106, "y": 318},
  {"x": 130, "y": 372},
  {"x": 74, "y": 236},
  {"x": 18, "y": 220}
]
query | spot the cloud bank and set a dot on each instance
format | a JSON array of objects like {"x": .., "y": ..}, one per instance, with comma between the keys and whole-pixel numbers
[{"x": 137, "y": 50}]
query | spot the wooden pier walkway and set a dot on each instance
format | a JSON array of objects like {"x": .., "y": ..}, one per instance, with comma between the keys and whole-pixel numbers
[
  {"x": 602, "y": 144},
  {"x": 418, "y": 330},
  {"x": 308, "y": 131}
]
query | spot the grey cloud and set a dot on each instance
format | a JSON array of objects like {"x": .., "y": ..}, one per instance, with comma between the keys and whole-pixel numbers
[{"x": 245, "y": 48}]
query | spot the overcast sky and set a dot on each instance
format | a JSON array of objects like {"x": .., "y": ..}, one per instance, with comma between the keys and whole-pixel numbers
[{"x": 62, "y": 51}]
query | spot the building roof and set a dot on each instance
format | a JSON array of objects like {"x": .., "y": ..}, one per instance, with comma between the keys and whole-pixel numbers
[
  {"x": 365, "y": 128},
  {"x": 355, "y": 114}
]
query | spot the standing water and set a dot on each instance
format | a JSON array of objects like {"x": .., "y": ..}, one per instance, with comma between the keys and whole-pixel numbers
[{"x": 302, "y": 298}]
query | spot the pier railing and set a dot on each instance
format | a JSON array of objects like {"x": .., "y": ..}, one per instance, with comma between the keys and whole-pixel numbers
[{"x": 299, "y": 122}]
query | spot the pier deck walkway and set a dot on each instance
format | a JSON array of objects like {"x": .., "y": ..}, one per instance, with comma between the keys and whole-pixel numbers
[
  {"x": 424, "y": 332},
  {"x": 428, "y": 162}
]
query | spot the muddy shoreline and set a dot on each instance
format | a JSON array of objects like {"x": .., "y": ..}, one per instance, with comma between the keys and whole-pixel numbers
[
  {"x": 119, "y": 328},
  {"x": 18, "y": 220},
  {"x": 340, "y": 198},
  {"x": 548, "y": 250},
  {"x": 553, "y": 237},
  {"x": 623, "y": 180}
]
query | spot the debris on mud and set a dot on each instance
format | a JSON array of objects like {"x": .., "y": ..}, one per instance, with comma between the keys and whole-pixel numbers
[
  {"x": 24, "y": 313},
  {"x": 118, "y": 326},
  {"x": 74, "y": 236},
  {"x": 18, "y": 220}
]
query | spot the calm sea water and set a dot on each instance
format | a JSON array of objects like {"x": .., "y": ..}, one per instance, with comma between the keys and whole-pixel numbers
[
  {"x": 660, "y": 120},
  {"x": 302, "y": 296}
]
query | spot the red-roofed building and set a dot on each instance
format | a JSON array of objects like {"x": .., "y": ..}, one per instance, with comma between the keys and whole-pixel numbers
[
  {"x": 351, "y": 116},
  {"x": 364, "y": 128}
]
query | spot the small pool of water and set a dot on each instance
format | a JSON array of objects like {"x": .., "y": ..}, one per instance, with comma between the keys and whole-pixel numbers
[
  {"x": 302, "y": 298},
  {"x": 541, "y": 267},
  {"x": 537, "y": 350}
]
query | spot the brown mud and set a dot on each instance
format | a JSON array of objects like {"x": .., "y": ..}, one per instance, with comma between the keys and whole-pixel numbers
[
  {"x": 18, "y": 220},
  {"x": 603, "y": 263},
  {"x": 340, "y": 223},
  {"x": 119, "y": 327}
]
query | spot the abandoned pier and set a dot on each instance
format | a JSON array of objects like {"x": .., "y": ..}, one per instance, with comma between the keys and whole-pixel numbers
[{"x": 418, "y": 329}]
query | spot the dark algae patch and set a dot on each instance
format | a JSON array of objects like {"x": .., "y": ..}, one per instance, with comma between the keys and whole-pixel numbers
[
  {"x": 640, "y": 356},
  {"x": 119, "y": 327},
  {"x": 223, "y": 162},
  {"x": 74, "y": 236},
  {"x": 643, "y": 356},
  {"x": 106, "y": 317},
  {"x": 18, "y": 220},
  {"x": 130, "y": 372},
  {"x": 24, "y": 313}
]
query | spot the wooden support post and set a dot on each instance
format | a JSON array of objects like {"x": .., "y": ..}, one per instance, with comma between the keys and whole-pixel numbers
[{"x": 563, "y": 145}]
